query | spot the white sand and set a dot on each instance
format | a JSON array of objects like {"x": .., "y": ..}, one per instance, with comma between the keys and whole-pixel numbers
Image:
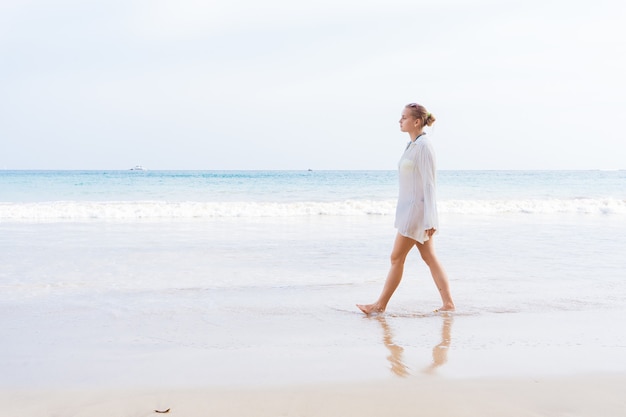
[{"x": 588, "y": 395}]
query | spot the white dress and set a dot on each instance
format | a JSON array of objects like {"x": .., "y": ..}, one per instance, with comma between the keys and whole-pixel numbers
[{"x": 417, "y": 204}]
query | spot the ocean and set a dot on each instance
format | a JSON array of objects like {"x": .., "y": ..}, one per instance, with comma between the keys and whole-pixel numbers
[
  {"x": 53, "y": 196},
  {"x": 134, "y": 277}
]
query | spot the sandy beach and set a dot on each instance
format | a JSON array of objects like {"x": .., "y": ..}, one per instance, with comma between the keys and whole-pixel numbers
[
  {"x": 582, "y": 395},
  {"x": 406, "y": 365}
]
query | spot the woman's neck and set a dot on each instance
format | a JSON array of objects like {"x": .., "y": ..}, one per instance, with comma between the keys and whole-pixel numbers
[{"x": 415, "y": 134}]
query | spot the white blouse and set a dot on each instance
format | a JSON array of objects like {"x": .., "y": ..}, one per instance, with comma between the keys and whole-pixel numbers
[{"x": 417, "y": 204}]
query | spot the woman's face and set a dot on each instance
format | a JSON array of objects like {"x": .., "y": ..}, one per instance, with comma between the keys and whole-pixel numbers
[{"x": 408, "y": 123}]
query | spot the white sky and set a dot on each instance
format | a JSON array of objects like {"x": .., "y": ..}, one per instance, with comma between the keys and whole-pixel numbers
[{"x": 288, "y": 84}]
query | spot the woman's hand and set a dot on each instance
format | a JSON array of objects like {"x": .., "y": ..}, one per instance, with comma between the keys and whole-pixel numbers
[{"x": 430, "y": 232}]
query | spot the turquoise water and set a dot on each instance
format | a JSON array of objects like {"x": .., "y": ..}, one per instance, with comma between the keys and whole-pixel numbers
[
  {"x": 17, "y": 186},
  {"x": 31, "y": 186},
  {"x": 111, "y": 195}
]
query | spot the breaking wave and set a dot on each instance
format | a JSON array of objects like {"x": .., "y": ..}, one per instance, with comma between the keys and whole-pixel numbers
[{"x": 163, "y": 210}]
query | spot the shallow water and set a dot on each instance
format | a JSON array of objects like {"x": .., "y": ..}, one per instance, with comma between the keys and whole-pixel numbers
[{"x": 115, "y": 303}]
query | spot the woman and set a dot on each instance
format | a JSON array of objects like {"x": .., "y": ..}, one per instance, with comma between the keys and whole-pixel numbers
[{"x": 416, "y": 213}]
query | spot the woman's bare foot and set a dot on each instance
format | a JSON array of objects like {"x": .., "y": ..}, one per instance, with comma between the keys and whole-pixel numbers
[
  {"x": 371, "y": 308},
  {"x": 445, "y": 307}
]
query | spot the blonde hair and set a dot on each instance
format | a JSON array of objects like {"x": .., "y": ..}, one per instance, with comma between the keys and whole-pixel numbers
[{"x": 419, "y": 112}]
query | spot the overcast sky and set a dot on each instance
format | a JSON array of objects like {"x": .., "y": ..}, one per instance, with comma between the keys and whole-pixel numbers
[{"x": 288, "y": 84}]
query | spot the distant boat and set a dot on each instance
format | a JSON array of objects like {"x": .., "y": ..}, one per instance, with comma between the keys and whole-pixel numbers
[{"x": 138, "y": 168}]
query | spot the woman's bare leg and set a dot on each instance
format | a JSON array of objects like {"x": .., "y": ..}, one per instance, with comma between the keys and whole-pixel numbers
[
  {"x": 401, "y": 248},
  {"x": 427, "y": 251}
]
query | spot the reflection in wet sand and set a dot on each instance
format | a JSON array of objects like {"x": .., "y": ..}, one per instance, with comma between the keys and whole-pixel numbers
[
  {"x": 440, "y": 351},
  {"x": 395, "y": 359}
]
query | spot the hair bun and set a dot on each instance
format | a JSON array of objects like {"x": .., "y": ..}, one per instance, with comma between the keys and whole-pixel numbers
[{"x": 429, "y": 120}]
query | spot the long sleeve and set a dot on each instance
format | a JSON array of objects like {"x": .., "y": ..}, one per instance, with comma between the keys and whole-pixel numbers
[
  {"x": 416, "y": 211},
  {"x": 426, "y": 165}
]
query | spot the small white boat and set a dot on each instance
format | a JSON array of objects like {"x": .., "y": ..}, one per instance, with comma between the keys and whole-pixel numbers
[{"x": 138, "y": 168}]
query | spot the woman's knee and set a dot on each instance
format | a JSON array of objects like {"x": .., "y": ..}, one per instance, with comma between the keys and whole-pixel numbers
[
  {"x": 428, "y": 255},
  {"x": 397, "y": 258},
  {"x": 428, "y": 259},
  {"x": 401, "y": 249}
]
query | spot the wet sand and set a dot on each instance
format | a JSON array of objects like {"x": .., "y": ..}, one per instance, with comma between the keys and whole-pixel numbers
[
  {"x": 582, "y": 395},
  {"x": 401, "y": 364}
]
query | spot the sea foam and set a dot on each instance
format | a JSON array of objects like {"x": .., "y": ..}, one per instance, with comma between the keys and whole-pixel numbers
[{"x": 189, "y": 210}]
